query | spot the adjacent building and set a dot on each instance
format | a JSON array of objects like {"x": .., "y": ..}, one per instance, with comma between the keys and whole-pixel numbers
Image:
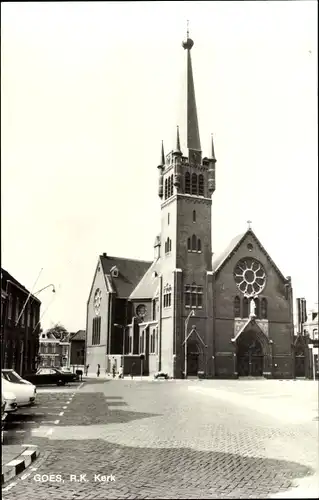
[
  {"x": 20, "y": 325},
  {"x": 189, "y": 311},
  {"x": 53, "y": 351},
  {"x": 77, "y": 349}
]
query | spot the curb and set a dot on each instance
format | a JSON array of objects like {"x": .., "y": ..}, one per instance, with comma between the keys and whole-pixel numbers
[{"x": 19, "y": 464}]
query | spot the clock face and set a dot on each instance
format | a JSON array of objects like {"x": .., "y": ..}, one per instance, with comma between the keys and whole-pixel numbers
[
  {"x": 250, "y": 277},
  {"x": 141, "y": 311},
  {"x": 97, "y": 301}
]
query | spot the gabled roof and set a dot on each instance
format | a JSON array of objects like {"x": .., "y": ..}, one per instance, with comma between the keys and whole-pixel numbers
[
  {"x": 79, "y": 335},
  {"x": 130, "y": 273},
  {"x": 5, "y": 276},
  {"x": 146, "y": 288},
  {"x": 220, "y": 260}
]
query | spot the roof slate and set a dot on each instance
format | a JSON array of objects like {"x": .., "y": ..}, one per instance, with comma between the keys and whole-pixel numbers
[
  {"x": 219, "y": 259},
  {"x": 147, "y": 287},
  {"x": 79, "y": 335},
  {"x": 130, "y": 273}
]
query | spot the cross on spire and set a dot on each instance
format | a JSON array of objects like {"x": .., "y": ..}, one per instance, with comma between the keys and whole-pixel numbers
[
  {"x": 187, "y": 28},
  {"x": 249, "y": 222}
]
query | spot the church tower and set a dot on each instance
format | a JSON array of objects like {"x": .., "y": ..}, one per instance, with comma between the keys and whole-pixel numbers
[{"x": 186, "y": 185}]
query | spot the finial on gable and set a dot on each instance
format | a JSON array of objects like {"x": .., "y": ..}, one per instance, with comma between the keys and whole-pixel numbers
[{"x": 249, "y": 222}]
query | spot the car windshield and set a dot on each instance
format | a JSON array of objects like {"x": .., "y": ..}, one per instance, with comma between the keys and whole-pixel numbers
[{"x": 12, "y": 376}]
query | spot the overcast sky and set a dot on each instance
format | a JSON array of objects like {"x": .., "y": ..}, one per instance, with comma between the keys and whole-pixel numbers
[{"x": 89, "y": 90}]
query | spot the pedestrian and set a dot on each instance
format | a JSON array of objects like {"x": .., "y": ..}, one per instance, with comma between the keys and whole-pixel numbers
[
  {"x": 87, "y": 369},
  {"x": 132, "y": 370},
  {"x": 98, "y": 370},
  {"x": 114, "y": 367},
  {"x": 121, "y": 372}
]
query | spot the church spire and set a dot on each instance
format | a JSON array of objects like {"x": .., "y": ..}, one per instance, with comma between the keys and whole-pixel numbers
[
  {"x": 193, "y": 140},
  {"x": 162, "y": 163},
  {"x": 213, "y": 157},
  {"x": 178, "y": 143}
]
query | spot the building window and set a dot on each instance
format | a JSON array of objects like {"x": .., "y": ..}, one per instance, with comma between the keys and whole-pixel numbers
[
  {"x": 168, "y": 219},
  {"x": 34, "y": 318},
  {"x": 194, "y": 243},
  {"x": 156, "y": 342},
  {"x": 257, "y": 307},
  {"x": 187, "y": 183},
  {"x": 315, "y": 334},
  {"x": 130, "y": 344},
  {"x": 17, "y": 310},
  {"x": 193, "y": 296},
  {"x": 23, "y": 317},
  {"x": 189, "y": 245},
  {"x": 29, "y": 315},
  {"x": 96, "y": 331},
  {"x": 194, "y": 184},
  {"x": 199, "y": 245},
  {"x": 172, "y": 186},
  {"x": 168, "y": 245},
  {"x": 245, "y": 307},
  {"x": 167, "y": 296},
  {"x": 10, "y": 307},
  {"x": 152, "y": 341},
  {"x": 201, "y": 185},
  {"x": 263, "y": 309},
  {"x": 237, "y": 307},
  {"x": 166, "y": 189},
  {"x": 194, "y": 215}
]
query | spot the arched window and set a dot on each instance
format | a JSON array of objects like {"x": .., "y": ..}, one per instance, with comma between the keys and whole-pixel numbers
[
  {"x": 165, "y": 246},
  {"x": 194, "y": 215},
  {"x": 237, "y": 307},
  {"x": 168, "y": 219},
  {"x": 194, "y": 295},
  {"x": 169, "y": 245},
  {"x": 194, "y": 243},
  {"x": 257, "y": 305},
  {"x": 194, "y": 184},
  {"x": 166, "y": 188},
  {"x": 263, "y": 308},
  {"x": 172, "y": 186},
  {"x": 187, "y": 183},
  {"x": 201, "y": 185},
  {"x": 199, "y": 245},
  {"x": 189, "y": 244},
  {"x": 245, "y": 307}
]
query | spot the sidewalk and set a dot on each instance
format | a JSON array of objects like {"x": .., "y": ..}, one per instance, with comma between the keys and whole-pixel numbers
[{"x": 15, "y": 459}]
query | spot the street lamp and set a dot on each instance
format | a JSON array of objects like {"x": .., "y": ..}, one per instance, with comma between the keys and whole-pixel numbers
[
  {"x": 34, "y": 294},
  {"x": 192, "y": 313},
  {"x": 123, "y": 327},
  {"x": 313, "y": 361}
]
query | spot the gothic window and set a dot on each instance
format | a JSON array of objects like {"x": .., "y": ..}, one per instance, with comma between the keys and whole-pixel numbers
[
  {"x": 194, "y": 243},
  {"x": 187, "y": 183},
  {"x": 189, "y": 246},
  {"x": 199, "y": 245},
  {"x": 17, "y": 310},
  {"x": 166, "y": 189},
  {"x": 237, "y": 307},
  {"x": 172, "y": 186},
  {"x": 10, "y": 307},
  {"x": 194, "y": 215},
  {"x": 201, "y": 185},
  {"x": 245, "y": 307},
  {"x": 193, "y": 296},
  {"x": 263, "y": 308},
  {"x": 167, "y": 296},
  {"x": 168, "y": 219},
  {"x": 168, "y": 245},
  {"x": 194, "y": 184},
  {"x": 257, "y": 305},
  {"x": 96, "y": 331},
  {"x": 250, "y": 277}
]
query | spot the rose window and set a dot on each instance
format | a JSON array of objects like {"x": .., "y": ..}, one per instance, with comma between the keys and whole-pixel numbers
[
  {"x": 250, "y": 277},
  {"x": 97, "y": 301}
]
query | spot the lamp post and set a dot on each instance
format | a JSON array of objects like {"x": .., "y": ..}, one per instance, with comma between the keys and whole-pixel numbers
[
  {"x": 313, "y": 361},
  {"x": 192, "y": 313},
  {"x": 34, "y": 294}
]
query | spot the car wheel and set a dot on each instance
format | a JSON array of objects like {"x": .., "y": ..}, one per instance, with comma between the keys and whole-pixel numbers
[{"x": 61, "y": 382}]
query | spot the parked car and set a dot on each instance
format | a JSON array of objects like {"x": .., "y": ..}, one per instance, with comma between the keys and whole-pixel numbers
[
  {"x": 13, "y": 376},
  {"x": 46, "y": 376},
  {"x": 10, "y": 403},
  {"x": 25, "y": 393}
]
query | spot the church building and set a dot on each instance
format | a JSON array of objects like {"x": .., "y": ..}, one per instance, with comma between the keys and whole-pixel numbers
[{"x": 187, "y": 311}]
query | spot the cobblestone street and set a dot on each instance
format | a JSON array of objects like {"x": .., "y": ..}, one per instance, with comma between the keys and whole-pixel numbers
[{"x": 167, "y": 440}]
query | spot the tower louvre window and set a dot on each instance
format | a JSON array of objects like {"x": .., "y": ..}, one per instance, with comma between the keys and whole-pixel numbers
[
  {"x": 199, "y": 245},
  {"x": 194, "y": 243},
  {"x": 257, "y": 305},
  {"x": 189, "y": 246},
  {"x": 167, "y": 296},
  {"x": 194, "y": 215},
  {"x": 172, "y": 186},
  {"x": 201, "y": 185},
  {"x": 194, "y": 184},
  {"x": 187, "y": 183},
  {"x": 166, "y": 189},
  {"x": 168, "y": 219},
  {"x": 168, "y": 245},
  {"x": 96, "y": 331},
  {"x": 237, "y": 307},
  {"x": 193, "y": 296}
]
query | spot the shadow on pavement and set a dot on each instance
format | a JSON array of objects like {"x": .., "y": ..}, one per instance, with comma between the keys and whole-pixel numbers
[{"x": 159, "y": 472}]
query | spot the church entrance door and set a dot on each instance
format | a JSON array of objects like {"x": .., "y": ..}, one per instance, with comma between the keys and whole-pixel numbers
[
  {"x": 250, "y": 356},
  {"x": 192, "y": 359}
]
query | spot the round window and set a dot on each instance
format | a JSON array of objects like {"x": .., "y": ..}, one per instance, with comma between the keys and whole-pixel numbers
[{"x": 250, "y": 277}]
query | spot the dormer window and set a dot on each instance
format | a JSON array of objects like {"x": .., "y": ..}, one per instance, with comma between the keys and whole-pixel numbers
[{"x": 114, "y": 272}]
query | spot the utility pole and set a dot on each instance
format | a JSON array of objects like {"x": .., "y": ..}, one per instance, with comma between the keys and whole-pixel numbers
[{"x": 192, "y": 313}]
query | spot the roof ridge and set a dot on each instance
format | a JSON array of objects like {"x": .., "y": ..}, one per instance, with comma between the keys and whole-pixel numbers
[{"x": 125, "y": 258}]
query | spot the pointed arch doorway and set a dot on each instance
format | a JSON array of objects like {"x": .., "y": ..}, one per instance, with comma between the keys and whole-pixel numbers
[
  {"x": 250, "y": 355},
  {"x": 193, "y": 354}
]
